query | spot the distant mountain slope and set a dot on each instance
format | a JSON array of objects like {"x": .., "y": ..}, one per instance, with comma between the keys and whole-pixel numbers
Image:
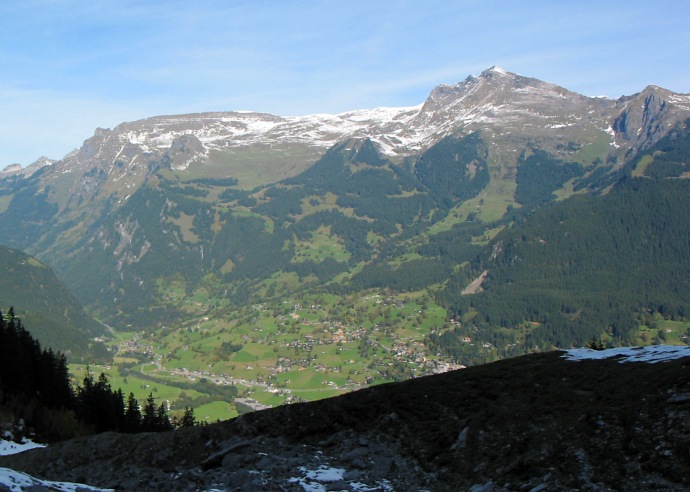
[
  {"x": 538, "y": 422},
  {"x": 53, "y": 314},
  {"x": 235, "y": 209},
  {"x": 589, "y": 266}
]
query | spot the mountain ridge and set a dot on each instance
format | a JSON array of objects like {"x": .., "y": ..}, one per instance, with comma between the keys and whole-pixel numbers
[
  {"x": 56, "y": 317},
  {"x": 236, "y": 128},
  {"x": 161, "y": 234}
]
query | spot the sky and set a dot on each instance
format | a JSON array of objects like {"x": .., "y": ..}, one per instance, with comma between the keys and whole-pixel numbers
[{"x": 68, "y": 67}]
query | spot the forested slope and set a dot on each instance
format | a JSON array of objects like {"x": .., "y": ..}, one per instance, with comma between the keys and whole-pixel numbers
[
  {"x": 57, "y": 318},
  {"x": 590, "y": 267}
]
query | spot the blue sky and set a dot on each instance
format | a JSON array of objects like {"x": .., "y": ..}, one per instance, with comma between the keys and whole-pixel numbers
[{"x": 69, "y": 66}]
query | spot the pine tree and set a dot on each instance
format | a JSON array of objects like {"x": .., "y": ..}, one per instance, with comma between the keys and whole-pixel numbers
[
  {"x": 133, "y": 418},
  {"x": 163, "y": 421},
  {"x": 155, "y": 418},
  {"x": 150, "y": 417},
  {"x": 99, "y": 405},
  {"x": 188, "y": 419}
]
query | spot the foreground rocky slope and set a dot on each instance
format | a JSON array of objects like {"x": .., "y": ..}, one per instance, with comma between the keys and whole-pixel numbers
[{"x": 538, "y": 422}]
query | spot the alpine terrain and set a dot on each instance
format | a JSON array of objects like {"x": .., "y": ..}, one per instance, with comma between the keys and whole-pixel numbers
[{"x": 241, "y": 260}]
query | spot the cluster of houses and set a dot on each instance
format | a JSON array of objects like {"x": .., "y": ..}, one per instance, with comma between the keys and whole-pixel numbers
[{"x": 313, "y": 328}]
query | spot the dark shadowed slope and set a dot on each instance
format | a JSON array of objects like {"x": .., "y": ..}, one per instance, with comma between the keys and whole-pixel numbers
[{"x": 537, "y": 420}]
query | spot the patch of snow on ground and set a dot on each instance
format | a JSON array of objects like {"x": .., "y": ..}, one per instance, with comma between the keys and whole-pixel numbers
[
  {"x": 17, "y": 482},
  {"x": 612, "y": 132},
  {"x": 651, "y": 354},
  {"x": 11, "y": 447},
  {"x": 382, "y": 486},
  {"x": 313, "y": 480},
  {"x": 326, "y": 477}
]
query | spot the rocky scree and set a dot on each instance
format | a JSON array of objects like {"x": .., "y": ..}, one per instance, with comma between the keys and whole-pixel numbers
[{"x": 537, "y": 422}]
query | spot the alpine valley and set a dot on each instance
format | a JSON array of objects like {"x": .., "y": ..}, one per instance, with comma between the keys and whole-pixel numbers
[{"x": 284, "y": 258}]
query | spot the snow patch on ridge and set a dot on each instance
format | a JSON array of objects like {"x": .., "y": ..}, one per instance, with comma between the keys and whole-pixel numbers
[
  {"x": 612, "y": 132},
  {"x": 650, "y": 354},
  {"x": 499, "y": 70},
  {"x": 680, "y": 100}
]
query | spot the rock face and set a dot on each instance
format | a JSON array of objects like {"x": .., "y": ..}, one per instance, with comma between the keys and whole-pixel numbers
[
  {"x": 645, "y": 117},
  {"x": 12, "y": 168},
  {"x": 537, "y": 422},
  {"x": 17, "y": 169}
]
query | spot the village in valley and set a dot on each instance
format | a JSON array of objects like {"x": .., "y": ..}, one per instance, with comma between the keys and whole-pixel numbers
[{"x": 273, "y": 354}]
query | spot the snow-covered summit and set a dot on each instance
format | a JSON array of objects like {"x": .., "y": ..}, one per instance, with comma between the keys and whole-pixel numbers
[
  {"x": 495, "y": 97},
  {"x": 495, "y": 70}
]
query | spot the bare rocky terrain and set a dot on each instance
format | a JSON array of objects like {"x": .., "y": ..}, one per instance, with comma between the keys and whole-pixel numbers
[{"x": 537, "y": 422}]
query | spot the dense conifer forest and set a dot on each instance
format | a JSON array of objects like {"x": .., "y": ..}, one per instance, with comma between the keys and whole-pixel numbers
[
  {"x": 584, "y": 267},
  {"x": 36, "y": 387}
]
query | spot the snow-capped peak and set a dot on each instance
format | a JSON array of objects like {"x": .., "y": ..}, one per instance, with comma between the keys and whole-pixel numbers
[
  {"x": 497, "y": 101},
  {"x": 497, "y": 70}
]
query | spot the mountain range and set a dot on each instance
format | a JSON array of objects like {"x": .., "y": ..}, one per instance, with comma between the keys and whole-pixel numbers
[
  {"x": 502, "y": 105},
  {"x": 165, "y": 221},
  {"x": 282, "y": 259}
]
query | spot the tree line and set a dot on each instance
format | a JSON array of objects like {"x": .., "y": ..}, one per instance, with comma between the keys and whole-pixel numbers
[{"x": 35, "y": 386}]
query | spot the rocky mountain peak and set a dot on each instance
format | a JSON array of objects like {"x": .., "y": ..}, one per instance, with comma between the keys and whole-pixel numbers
[
  {"x": 646, "y": 116},
  {"x": 495, "y": 71},
  {"x": 184, "y": 149},
  {"x": 28, "y": 170},
  {"x": 12, "y": 168},
  {"x": 501, "y": 102}
]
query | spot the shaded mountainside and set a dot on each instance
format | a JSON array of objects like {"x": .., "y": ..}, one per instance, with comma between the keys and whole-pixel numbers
[
  {"x": 534, "y": 422},
  {"x": 56, "y": 317}
]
